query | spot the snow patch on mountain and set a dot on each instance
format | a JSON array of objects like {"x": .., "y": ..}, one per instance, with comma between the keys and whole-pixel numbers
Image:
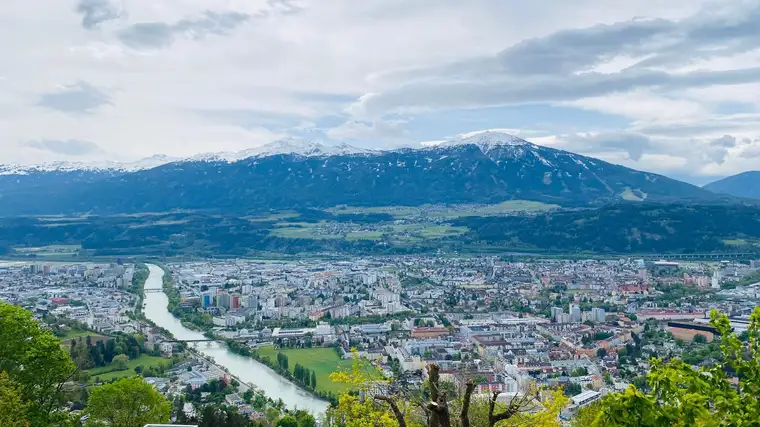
[
  {"x": 284, "y": 146},
  {"x": 488, "y": 141},
  {"x": 63, "y": 166}
]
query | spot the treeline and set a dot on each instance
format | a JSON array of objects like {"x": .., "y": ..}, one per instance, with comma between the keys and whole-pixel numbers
[
  {"x": 623, "y": 228},
  {"x": 87, "y": 355},
  {"x": 301, "y": 375},
  {"x": 305, "y": 377}
]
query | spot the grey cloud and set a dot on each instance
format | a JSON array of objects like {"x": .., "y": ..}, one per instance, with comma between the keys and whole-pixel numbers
[
  {"x": 378, "y": 130},
  {"x": 574, "y": 50},
  {"x": 147, "y": 35},
  {"x": 509, "y": 89},
  {"x": 70, "y": 147},
  {"x": 717, "y": 149},
  {"x": 725, "y": 141},
  {"x": 80, "y": 98},
  {"x": 556, "y": 67},
  {"x": 751, "y": 150},
  {"x": 285, "y": 7},
  {"x": 715, "y": 154},
  {"x": 154, "y": 35},
  {"x": 633, "y": 144},
  {"x": 95, "y": 12},
  {"x": 704, "y": 127},
  {"x": 714, "y": 32}
]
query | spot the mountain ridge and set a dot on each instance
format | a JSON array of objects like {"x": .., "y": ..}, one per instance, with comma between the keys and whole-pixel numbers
[
  {"x": 745, "y": 184},
  {"x": 484, "y": 168}
]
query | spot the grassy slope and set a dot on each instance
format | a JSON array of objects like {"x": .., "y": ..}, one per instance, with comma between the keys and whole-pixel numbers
[
  {"x": 106, "y": 373},
  {"x": 323, "y": 361}
]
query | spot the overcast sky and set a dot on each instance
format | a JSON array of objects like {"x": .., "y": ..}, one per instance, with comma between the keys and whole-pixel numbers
[{"x": 666, "y": 86}]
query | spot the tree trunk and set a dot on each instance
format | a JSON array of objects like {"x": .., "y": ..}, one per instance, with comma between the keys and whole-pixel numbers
[
  {"x": 433, "y": 379},
  {"x": 440, "y": 416},
  {"x": 466, "y": 403}
]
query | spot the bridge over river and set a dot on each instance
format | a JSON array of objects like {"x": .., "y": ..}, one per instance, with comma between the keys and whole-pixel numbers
[{"x": 245, "y": 368}]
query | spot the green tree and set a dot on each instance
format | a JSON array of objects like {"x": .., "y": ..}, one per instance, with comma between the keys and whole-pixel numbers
[
  {"x": 586, "y": 415},
  {"x": 34, "y": 361},
  {"x": 121, "y": 362},
  {"x": 699, "y": 339},
  {"x": 130, "y": 402},
  {"x": 222, "y": 416},
  {"x": 305, "y": 419},
  {"x": 12, "y": 408},
  {"x": 313, "y": 380},
  {"x": 287, "y": 421},
  {"x": 683, "y": 396},
  {"x": 601, "y": 353}
]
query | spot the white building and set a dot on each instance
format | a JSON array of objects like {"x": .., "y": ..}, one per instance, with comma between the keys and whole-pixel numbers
[
  {"x": 598, "y": 315},
  {"x": 575, "y": 313},
  {"x": 585, "y": 398}
]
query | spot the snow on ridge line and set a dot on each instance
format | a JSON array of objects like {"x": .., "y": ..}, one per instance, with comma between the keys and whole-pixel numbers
[
  {"x": 63, "y": 166},
  {"x": 285, "y": 146},
  {"x": 485, "y": 141}
]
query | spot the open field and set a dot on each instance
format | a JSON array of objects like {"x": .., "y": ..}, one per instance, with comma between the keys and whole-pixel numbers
[
  {"x": 51, "y": 250},
  {"x": 448, "y": 211},
  {"x": 352, "y": 232},
  {"x": 273, "y": 216},
  {"x": 323, "y": 361},
  {"x": 108, "y": 372}
]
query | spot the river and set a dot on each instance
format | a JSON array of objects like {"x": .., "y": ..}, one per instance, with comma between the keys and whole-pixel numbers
[{"x": 242, "y": 367}]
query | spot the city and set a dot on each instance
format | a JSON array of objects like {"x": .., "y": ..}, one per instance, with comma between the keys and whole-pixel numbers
[{"x": 588, "y": 327}]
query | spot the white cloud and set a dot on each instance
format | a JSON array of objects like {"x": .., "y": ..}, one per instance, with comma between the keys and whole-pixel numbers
[{"x": 136, "y": 77}]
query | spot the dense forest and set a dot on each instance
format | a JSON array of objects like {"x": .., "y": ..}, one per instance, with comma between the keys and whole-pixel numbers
[
  {"x": 624, "y": 228},
  {"x": 615, "y": 229}
]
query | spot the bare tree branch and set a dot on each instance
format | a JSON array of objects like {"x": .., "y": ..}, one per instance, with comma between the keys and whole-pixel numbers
[
  {"x": 394, "y": 408},
  {"x": 512, "y": 409}
]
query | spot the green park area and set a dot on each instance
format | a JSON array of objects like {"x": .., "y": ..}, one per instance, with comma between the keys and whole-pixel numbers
[
  {"x": 321, "y": 360},
  {"x": 117, "y": 369},
  {"x": 449, "y": 211}
]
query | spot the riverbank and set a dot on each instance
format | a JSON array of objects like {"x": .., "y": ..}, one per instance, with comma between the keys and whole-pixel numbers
[
  {"x": 199, "y": 323},
  {"x": 245, "y": 369}
]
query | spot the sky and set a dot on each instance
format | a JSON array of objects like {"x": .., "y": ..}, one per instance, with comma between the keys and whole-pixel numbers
[{"x": 671, "y": 87}]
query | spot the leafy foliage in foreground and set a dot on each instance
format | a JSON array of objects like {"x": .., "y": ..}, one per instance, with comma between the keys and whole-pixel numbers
[
  {"x": 33, "y": 369},
  {"x": 130, "y": 402},
  {"x": 683, "y": 396}
]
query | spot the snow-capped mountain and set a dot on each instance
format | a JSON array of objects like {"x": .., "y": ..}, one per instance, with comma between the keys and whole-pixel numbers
[
  {"x": 102, "y": 166},
  {"x": 284, "y": 146},
  {"x": 486, "y": 141},
  {"x": 488, "y": 167}
]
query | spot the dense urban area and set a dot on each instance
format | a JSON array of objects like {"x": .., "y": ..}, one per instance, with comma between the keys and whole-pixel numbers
[{"x": 586, "y": 328}]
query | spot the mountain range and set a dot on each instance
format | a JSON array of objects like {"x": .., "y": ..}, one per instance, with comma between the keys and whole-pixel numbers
[
  {"x": 485, "y": 168},
  {"x": 745, "y": 184}
]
